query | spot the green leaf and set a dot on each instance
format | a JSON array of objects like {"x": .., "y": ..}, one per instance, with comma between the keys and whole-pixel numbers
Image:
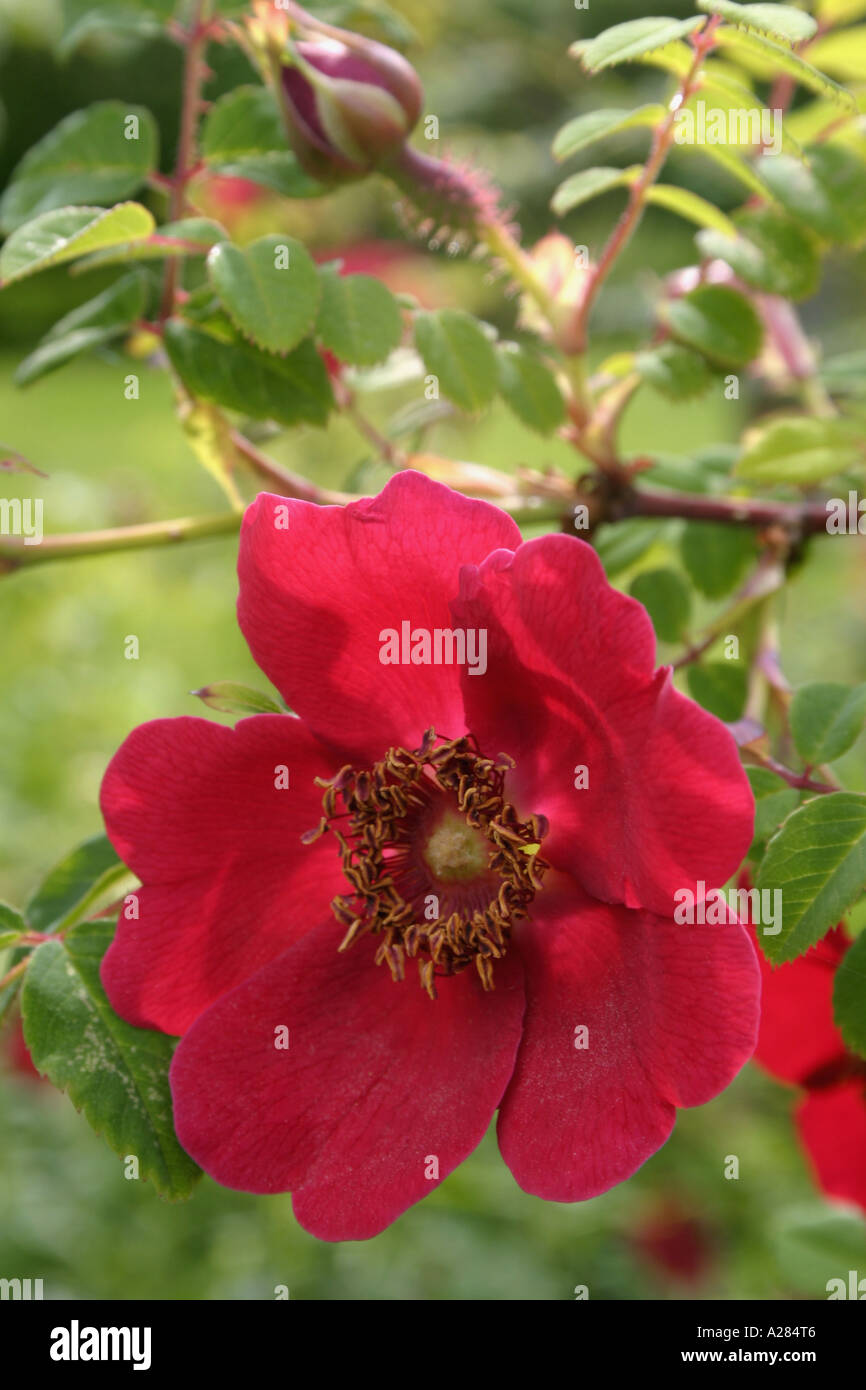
[
  {"x": 715, "y": 555},
  {"x": 98, "y": 321},
  {"x": 832, "y": 12},
  {"x": 191, "y": 236},
  {"x": 244, "y": 123},
  {"x": 734, "y": 163},
  {"x": 529, "y": 388},
  {"x": 584, "y": 130},
  {"x": 720, "y": 687},
  {"x": 675, "y": 371},
  {"x": 843, "y": 54},
  {"x": 799, "y": 449},
  {"x": 691, "y": 206},
  {"x": 116, "y": 1074},
  {"x": 667, "y": 600},
  {"x": 818, "y": 862},
  {"x": 809, "y": 121},
  {"x": 619, "y": 546},
  {"x": 783, "y": 21},
  {"x": 777, "y": 56},
  {"x": 719, "y": 322},
  {"x": 589, "y": 183},
  {"x": 676, "y": 471},
  {"x": 12, "y": 926},
  {"x": 243, "y": 137},
  {"x": 359, "y": 318},
  {"x": 69, "y": 232},
  {"x": 231, "y": 697},
  {"x": 280, "y": 172},
  {"x": 828, "y": 194},
  {"x": 826, "y": 719},
  {"x": 816, "y": 1245},
  {"x": 625, "y": 42},
  {"x": 74, "y": 885},
  {"x": 126, "y": 25},
  {"x": 845, "y": 374},
  {"x": 56, "y": 352},
  {"x": 735, "y": 120},
  {"x": 85, "y": 159},
  {"x": 455, "y": 349},
  {"x": 231, "y": 372},
  {"x": 774, "y": 800},
  {"x": 769, "y": 251},
  {"x": 270, "y": 289},
  {"x": 849, "y": 996}
]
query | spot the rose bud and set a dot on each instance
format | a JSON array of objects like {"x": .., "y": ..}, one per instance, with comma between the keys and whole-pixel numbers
[{"x": 349, "y": 104}]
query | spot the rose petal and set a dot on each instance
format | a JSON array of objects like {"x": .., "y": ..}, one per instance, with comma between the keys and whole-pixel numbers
[
  {"x": 570, "y": 685},
  {"x": 671, "y": 1013},
  {"x": 193, "y": 808},
  {"x": 315, "y": 597},
  {"x": 378, "y": 1082}
]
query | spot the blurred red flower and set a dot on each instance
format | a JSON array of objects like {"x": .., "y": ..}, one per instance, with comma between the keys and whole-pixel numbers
[{"x": 799, "y": 1042}]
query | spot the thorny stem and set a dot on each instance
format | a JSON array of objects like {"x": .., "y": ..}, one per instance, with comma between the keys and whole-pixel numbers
[
  {"x": 196, "y": 40},
  {"x": 627, "y": 224}
]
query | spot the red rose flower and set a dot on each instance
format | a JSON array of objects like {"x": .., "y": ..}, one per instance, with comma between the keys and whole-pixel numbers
[
  {"x": 556, "y": 985},
  {"x": 799, "y": 1042}
]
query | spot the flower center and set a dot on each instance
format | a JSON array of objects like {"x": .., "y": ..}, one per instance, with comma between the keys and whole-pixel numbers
[
  {"x": 439, "y": 863},
  {"x": 455, "y": 852}
]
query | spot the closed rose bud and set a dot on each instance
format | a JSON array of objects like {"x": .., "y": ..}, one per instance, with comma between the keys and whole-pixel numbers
[{"x": 349, "y": 105}]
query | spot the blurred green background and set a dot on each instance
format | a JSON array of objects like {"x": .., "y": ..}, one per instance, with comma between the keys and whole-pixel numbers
[{"x": 498, "y": 77}]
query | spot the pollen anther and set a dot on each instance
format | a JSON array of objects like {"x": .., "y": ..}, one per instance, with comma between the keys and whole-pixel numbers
[{"x": 432, "y": 825}]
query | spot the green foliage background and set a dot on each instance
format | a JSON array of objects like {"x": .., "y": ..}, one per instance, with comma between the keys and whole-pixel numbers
[{"x": 499, "y": 79}]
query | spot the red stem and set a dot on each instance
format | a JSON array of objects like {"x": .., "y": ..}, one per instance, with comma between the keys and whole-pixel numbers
[
  {"x": 627, "y": 224},
  {"x": 186, "y": 165},
  {"x": 806, "y": 518}
]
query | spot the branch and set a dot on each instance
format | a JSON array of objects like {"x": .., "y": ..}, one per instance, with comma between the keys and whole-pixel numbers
[
  {"x": 288, "y": 484},
  {"x": 16, "y": 554},
  {"x": 802, "y": 518},
  {"x": 801, "y": 780}
]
